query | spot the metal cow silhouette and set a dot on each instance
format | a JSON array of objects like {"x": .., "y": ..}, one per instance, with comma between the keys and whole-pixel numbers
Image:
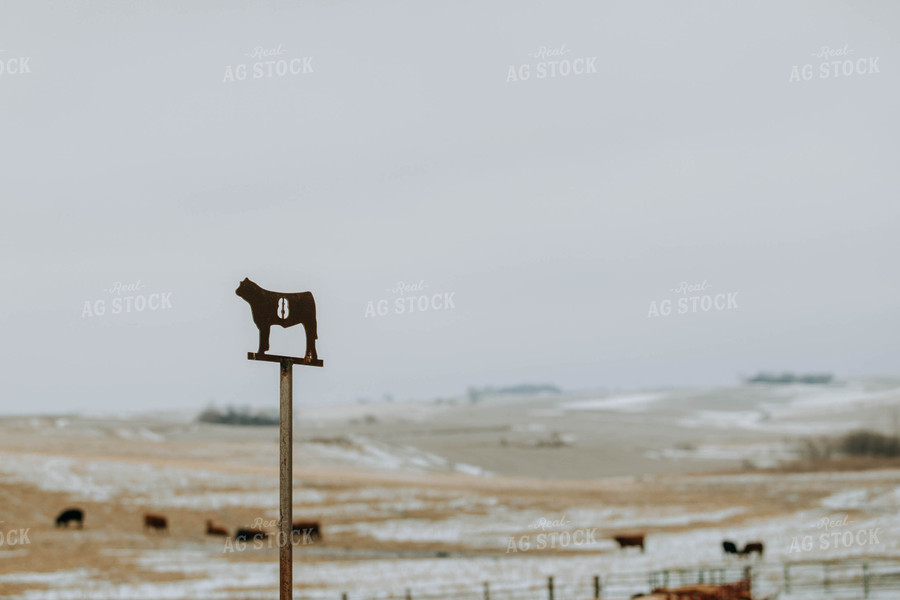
[{"x": 276, "y": 308}]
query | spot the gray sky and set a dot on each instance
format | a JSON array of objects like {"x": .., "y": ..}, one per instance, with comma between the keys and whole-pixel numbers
[{"x": 555, "y": 210}]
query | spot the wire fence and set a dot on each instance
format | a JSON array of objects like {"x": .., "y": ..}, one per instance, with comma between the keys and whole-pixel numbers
[
  {"x": 863, "y": 579},
  {"x": 873, "y": 579}
]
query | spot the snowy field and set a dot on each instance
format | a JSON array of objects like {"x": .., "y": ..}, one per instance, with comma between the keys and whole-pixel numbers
[{"x": 441, "y": 499}]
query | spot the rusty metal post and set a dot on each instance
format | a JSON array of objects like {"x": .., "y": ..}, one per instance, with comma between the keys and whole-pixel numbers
[
  {"x": 286, "y": 480},
  {"x": 286, "y": 430}
]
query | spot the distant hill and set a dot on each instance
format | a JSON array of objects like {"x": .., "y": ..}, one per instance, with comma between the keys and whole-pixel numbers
[
  {"x": 241, "y": 416},
  {"x": 788, "y": 378},
  {"x": 522, "y": 389}
]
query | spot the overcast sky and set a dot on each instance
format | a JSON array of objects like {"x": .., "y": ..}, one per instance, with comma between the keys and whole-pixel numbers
[{"x": 552, "y": 210}]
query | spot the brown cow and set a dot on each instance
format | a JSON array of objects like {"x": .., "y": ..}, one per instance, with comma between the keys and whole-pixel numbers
[
  {"x": 753, "y": 547},
  {"x": 309, "y": 530},
  {"x": 630, "y": 540},
  {"x": 215, "y": 529},
  {"x": 157, "y": 522}
]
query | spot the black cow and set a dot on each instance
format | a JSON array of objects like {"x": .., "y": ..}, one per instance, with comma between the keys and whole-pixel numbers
[
  {"x": 71, "y": 514},
  {"x": 630, "y": 540},
  {"x": 246, "y": 534},
  {"x": 276, "y": 308},
  {"x": 157, "y": 522},
  {"x": 311, "y": 528}
]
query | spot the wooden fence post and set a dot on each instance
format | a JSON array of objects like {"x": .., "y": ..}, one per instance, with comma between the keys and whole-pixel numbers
[
  {"x": 787, "y": 578},
  {"x": 550, "y": 587},
  {"x": 487, "y": 591},
  {"x": 597, "y": 587},
  {"x": 866, "y": 579}
]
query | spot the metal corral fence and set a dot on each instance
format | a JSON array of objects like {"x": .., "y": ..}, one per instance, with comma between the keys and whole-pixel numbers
[
  {"x": 872, "y": 578},
  {"x": 857, "y": 579}
]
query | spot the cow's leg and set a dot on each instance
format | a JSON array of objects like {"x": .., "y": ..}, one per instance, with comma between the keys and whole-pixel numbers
[
  {"x": 263, "y": 338},
  {"x": 311, "y": 336}
]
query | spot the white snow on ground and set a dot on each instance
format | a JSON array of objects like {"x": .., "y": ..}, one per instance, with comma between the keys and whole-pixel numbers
[
  {"x": 360, "y": 452},
  {"x": 761, "y": 455},
  {"x": 846, "y": 499},
  {"x": 743, "y": 419},
  {"x": 493, "y": 530},
  {"x": 545, "y": 413},
  {"x": 795, "y": 409},
  {"x": 528, "y": 428},
  {"x": 138, "y": 433},
  {"x": 805, "y": 399},
  {"x": 625, "y": 403},
  {"x": 102, "y": 479},
  {"x": 60, "y": 578},
  {"x": 220, "y": 580}
]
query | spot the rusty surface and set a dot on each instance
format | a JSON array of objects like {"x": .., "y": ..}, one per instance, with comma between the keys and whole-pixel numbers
[
  {"x": 286, "y": 480},
  {"x": 285, "y": 309},
  {"x": 279, "y": 358}
]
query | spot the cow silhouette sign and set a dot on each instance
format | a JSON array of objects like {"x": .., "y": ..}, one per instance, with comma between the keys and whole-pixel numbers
[{"x": 285, "y": 309}]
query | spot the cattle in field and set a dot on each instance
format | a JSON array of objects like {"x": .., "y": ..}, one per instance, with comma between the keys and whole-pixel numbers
[
  {"x": 157, "y": 522},
  {"x": 246, "y": 534},
  {"x": 752, "y": 547},
  {"x": 70, "y": 514},
  {"x": 730, "y": 547},
  {"x": 301, "y": 531},
  {"x": 630, "y": 540},
  {"x": 215, "y": 529},
  {"x": 727, "y": 591}
]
